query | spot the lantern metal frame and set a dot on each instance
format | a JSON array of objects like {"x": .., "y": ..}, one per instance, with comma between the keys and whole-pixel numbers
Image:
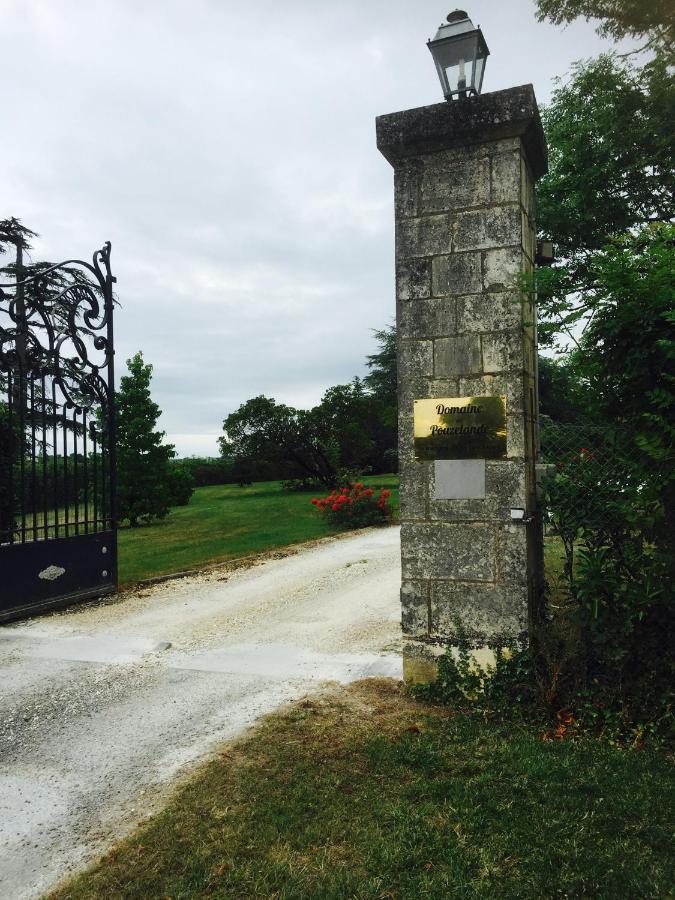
[{"x": 460, "y": 30}]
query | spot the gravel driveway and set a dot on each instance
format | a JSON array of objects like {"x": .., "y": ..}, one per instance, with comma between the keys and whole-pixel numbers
[{"x": 99, "y": 718}]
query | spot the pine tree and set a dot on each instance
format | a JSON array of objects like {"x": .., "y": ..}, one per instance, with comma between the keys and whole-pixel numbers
[{"x": 142, "y": 459}]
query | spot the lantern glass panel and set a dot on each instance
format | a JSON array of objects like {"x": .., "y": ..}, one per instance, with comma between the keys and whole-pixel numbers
[
  {"x": 456, "y": 64},
  {"x": 478, "y": 70}
]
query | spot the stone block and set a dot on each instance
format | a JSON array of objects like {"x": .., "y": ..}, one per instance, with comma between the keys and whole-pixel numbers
[
  {"x": 425, "y": 236},
  {"x": 455, "y": 186},
  {"x": 405, "y": 437},
  {"x": 469, "y": 155},
  {"x": 489, "y": 613},
  {"x": 415, "y": 358},
  {"x": 413, "y": 279},
  {"x": 418, "y": 668},
  {"x": 503, "y": 351},
  {"x": 458, "y": 273},
  {"x": 415, "y": 608},
  {"x": 506, "y": 485},
  {"x": 461, "y": 511},
  {"x": 529, "y": 238},
  {"x": 461, "y": 552},
  {"x": 406, "y": 453},
  {"x": 481, "y": 229},
  {"x": 515, "y": 436},
  {"x": 412, "y": 388},
  {"x": 457, "y": 355},
  {"x": 511, "y": 386},
  {"x": 527, "y": 194},
  {"x": 505, "y": 177},
  {"x": 443, "y": 387},
  {"x": 489, "y": 312},
  {"x": 502, "y": 269},
  {"x": 505, "y": 145},
  {"x": 512, "y": 554},
  {"x": 426, "y": 318},
  {"x": 413, "y": 490},
  {"x": 406, "y": 189}
]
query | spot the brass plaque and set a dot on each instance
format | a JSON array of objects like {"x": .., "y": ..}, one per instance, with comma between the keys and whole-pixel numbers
[{"x": 460, "y": 428}]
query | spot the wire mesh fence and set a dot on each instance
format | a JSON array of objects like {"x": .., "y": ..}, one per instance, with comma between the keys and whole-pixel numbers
[
  {"x": 590, "y": 474},
  {"x": 594, "y": 493}
]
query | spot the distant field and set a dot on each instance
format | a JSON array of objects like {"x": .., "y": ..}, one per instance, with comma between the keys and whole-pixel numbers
[{"x": 225, "y": 522}]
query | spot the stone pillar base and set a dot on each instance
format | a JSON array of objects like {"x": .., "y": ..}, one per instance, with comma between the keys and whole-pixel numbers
[{"x": 420, "y": 661}]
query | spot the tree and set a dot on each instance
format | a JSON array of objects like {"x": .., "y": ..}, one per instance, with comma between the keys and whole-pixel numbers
[
  {"x": 143, "y": 478},
  {"x": 15, "y": 234},
  {"x": 562, "y": 393},
  {"x": 382, "y": 382},
  {"x": 627, "y": 356},
  {"x": 611, "y": 169},
  {"x": 262, "y": 429},
  {"x": 360, "y": 423},
  {"x": 651, "y": 21},
  {"x": 352, "y": 428},
  {"x": 609, "y": 130},
  {"x": 382, "y": 377},
  {"x": 350, "y": 415}
]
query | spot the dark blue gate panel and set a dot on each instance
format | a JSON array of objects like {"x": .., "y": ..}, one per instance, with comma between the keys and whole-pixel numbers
[{"x": 42, "y": 574}]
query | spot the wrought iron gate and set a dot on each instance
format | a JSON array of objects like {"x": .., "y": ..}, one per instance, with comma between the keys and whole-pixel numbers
[{"x": 58, "y": 540}]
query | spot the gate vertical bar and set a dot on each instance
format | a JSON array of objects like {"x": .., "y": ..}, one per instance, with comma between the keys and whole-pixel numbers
[{"x": 55, "y": 468}]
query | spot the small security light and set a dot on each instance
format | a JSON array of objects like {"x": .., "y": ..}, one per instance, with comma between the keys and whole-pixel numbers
[
  {"x": 517, "y": 514},
  {"x": 545, "y": 253},
  {"x": 459, "y": 51}
]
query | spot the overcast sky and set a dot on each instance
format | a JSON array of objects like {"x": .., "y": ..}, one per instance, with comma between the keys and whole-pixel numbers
[{"x": 227, "y": 150}]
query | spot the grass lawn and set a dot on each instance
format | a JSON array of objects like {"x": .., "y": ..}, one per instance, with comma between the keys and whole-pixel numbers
[
  {"x": 224, "y": 522},
  {"x": 369, "y": 794},
  {"x": 554, "y": 562}
]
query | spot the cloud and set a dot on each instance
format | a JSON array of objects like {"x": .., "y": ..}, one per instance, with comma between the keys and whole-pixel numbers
[{"x": 228, "y": 152}]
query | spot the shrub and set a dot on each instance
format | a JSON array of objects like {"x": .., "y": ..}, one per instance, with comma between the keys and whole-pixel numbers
[
  {"x": 181, "y": 485},
  {"x": 206, "y": 471},
  {"x": 301, "y": 484},
  {"x": 604, "y": 502},
  {"x": 356, "y": 506}
]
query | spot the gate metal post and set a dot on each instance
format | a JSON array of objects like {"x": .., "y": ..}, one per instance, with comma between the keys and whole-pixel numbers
[{"x": 464, "y": 203}]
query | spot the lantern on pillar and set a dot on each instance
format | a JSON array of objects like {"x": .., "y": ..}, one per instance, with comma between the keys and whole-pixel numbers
[{"x": 459, "y": 51}]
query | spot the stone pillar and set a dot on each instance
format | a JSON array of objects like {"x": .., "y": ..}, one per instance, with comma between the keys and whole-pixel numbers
[{"x": 464, "y": 200}]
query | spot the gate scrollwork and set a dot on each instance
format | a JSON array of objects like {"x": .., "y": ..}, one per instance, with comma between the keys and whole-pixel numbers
[{"x": 60, "y": 324}]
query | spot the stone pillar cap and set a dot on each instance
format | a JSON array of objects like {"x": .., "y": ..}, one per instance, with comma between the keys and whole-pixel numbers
[{"x": 474, "y": 120}]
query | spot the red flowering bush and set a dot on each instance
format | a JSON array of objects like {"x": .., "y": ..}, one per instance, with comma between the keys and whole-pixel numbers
[{"x": 355, "y": 507}]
